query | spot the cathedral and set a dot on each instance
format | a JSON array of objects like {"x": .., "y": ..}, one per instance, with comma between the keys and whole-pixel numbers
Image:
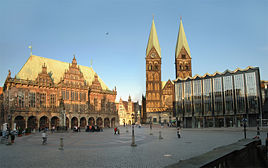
[
  {"x": 160, "y": 94},
  {"x": 34, "y": 96}
]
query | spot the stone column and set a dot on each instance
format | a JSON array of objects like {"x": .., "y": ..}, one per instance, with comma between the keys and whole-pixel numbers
[{"x": 26, "y": 122}]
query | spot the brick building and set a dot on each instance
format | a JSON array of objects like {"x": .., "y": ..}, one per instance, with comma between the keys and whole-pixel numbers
[
  {"x": 158, "y": 107},
  {"x": 31, "y": 99}
]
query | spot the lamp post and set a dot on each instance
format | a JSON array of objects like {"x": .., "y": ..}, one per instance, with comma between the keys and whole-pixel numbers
[
  {"x": 245, "y": 125},
  {"x": 151, "y": 127},
  {"x": 133, "y": 136}
]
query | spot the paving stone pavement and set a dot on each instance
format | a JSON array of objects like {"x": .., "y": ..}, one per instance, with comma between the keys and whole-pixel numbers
[{"x": 104, "y": 149}]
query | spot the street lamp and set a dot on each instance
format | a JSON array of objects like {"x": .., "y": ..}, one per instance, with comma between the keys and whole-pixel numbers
[
  {"x": 245, "y": 125},
  {"x": 133, "y": 136}
]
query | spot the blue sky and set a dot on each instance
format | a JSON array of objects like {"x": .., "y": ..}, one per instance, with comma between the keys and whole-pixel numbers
[{"x": 222, "y": 34}]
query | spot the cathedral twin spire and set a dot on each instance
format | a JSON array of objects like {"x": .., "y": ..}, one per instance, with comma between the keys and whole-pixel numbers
[
  {"x": 181, "y": 41},
  {"x": 153, "y": 41}
]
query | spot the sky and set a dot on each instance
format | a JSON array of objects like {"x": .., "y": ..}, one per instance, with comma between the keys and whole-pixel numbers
[{"x": 222, "y": 34}]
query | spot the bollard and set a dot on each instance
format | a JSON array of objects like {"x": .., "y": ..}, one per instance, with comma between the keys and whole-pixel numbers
[
  {"x": 160, "y": 136},
  {"x": 126, "y": 129},
  {"x": 133, "y": 144},
  {"x": 61, "y": 144}
]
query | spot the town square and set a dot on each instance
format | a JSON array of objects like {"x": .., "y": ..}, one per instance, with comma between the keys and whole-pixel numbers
[{"x": 133, "y": 83}]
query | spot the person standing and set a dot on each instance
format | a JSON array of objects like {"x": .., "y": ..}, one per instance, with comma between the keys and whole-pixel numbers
[
  {"x": 179, "y": 132},
  {"x": 115, "y": 130},
  {"x": 44, "y": 136}
]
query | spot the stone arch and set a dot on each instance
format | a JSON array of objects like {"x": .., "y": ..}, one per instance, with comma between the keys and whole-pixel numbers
[
  {"x": 113, "y": 122},
  {"x": 106, "y": 122},
  {"x": 32, "y": 122},
  {"x": 20, "y": 122},
  {"x": 83, "y": 122},
  {"x": 99, "y": 121},
  {"x": 54, "y": 122},
  {"x": 43, "y": 122},
  {"x": 91, "y": 121},
  {"x": 74, "y": 122}
]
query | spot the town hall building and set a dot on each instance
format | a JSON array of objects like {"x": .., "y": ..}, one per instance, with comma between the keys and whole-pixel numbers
[{"x": 32, "y": 98}]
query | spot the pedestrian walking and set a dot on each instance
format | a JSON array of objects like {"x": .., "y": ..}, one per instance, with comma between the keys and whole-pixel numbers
[
  {"x": 115, "y": 130},
  {"x": 44, "y": 137},
  {"x": 179, "y": 132},
  {"x": 118, "y": 131}
]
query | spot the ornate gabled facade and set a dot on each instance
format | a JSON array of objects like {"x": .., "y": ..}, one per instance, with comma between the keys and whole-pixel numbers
[
  {"x": 32, "y": 98},
  {"x": 125, "y": 111}
]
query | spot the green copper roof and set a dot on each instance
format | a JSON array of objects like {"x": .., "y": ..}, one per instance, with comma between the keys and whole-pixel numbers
[
  {"x": 153, "y": 41},
  {"x": 33, "y": 67},
  {"x": 182, "y": 41}
]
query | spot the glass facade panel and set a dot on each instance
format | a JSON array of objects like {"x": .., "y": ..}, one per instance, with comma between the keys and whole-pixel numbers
[
  {"x": 179, "y": 99},
  {"x": 240, "y": 94},
  {"x": 188, "y": 98},
  {"x": 228, "y": 95},
  {"x": 197, "y": 97},
  {"x": 207, "y": 97},
  {"x": 217, "y": 91},
  {"x": 252, "y": 92}
]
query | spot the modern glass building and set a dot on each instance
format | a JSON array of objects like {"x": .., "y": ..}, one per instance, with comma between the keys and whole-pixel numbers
[{"x": 219, "y": 99}]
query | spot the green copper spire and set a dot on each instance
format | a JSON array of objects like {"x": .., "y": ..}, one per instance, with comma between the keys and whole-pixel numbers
[
  {"x": 181, "y": 41},
  {"x": 153, "y": 41}
]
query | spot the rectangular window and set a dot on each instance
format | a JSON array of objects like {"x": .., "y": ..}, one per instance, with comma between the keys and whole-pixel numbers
[
  {"x": 67, "y": 95},
  {"x": 52, "y": 100},
  {"x": 188, "y": 98},
  {"x": 21, "y": 98},
  {"x": 218, "y": 102},
  {"x": 63, "y": 94},
  {"x": 43, "y": 100},
  {"x": 197, "y": 97},
  {"x": 240, "y": 94},
  {"x": 228, "y": 94},
  {"x": 207, "y": 97},
  {"x": 32, "y": 99},
  {"x": 76, "y": 96},
  {"x": 252, "y": 92},
  {"x": 72, "y": 95}
]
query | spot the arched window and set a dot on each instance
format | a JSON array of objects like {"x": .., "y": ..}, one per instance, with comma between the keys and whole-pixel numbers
[
  {"x": 156, "y": 76},
  {"x": 186, "y": 67},
  {"x": 155, "y": 66},
  {"x": 180, "y": 67},
  {"x": 150, "y": 67},
  {"x": 149, "y": 96}
]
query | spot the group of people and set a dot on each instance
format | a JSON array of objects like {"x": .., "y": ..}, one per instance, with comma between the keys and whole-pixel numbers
[{"x": 116, "y": 130}]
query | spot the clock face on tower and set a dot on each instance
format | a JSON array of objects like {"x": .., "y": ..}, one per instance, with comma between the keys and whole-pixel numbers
[{"x": 152, "y": 55}]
